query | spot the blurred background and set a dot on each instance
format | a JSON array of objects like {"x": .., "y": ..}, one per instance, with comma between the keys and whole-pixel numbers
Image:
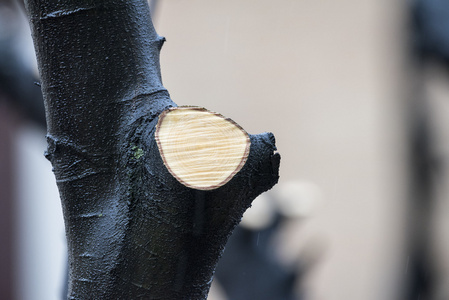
[{"x": 357, "y": 95}]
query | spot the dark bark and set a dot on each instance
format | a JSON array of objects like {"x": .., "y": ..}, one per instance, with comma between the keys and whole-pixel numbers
[{"x": 133, "y": 231}]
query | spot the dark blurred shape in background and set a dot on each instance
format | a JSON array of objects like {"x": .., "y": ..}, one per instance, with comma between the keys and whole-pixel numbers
[
  {"x": 430, "y": 28},
  {"x": 19, "y": 99},
  {"x": 17, "y": 72},
  {"x": 429, "y": 33}
]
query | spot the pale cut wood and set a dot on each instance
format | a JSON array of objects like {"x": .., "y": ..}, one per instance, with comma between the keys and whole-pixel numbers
[{"x": 201, "y": 149}]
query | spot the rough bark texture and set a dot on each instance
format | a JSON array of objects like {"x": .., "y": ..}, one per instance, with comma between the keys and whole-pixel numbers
[{"x": 133, "y": 231}]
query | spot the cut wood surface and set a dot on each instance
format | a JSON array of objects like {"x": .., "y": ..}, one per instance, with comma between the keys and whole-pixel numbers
[{"x": 200, "y": 148}]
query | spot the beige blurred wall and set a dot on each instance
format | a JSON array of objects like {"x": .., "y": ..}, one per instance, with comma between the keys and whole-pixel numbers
[{"x": 325, "y": 78}]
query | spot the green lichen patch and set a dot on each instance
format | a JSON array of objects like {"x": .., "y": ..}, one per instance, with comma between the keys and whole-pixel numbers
[{"x": 138, "y": 153}]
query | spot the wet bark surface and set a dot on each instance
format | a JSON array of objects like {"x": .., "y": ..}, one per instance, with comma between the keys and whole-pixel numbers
[{"x": 133, "y": 231}]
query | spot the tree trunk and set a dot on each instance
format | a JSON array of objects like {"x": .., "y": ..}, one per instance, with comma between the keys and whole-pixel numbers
[{"x": 134, "y": 230}]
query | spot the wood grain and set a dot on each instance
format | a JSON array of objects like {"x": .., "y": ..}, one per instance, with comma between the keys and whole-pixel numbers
[{"x": 201, "y": 149}]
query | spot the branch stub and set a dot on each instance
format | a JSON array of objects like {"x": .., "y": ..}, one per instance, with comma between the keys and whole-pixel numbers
[{"x": 201, "y": 149}]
